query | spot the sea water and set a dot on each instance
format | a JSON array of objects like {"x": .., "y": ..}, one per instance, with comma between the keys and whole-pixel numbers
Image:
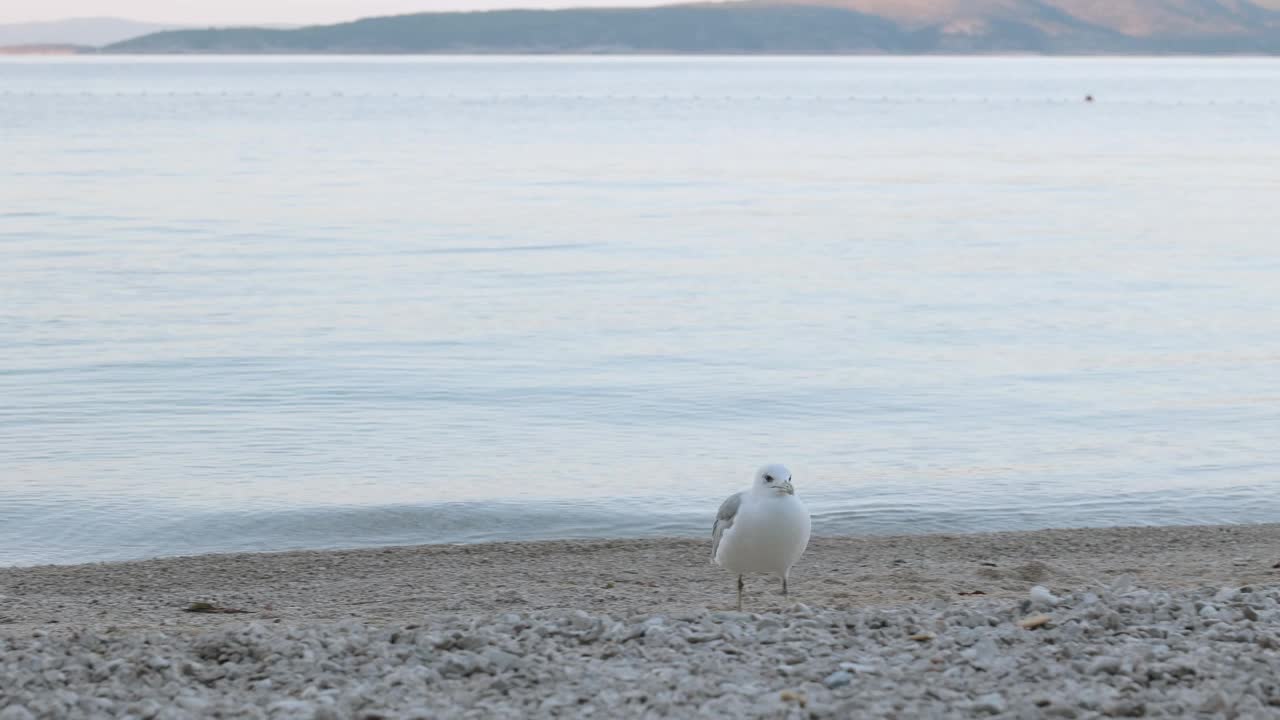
[{"x": 268, "y": 303}]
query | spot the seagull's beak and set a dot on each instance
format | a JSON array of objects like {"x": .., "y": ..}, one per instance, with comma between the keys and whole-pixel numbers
[{"x": 787, "y": 488}]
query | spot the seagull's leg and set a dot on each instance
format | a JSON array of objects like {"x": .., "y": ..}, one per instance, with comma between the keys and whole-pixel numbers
[
  {"x": 784, "y": 584},
  {"x": 739, "y": 593}
]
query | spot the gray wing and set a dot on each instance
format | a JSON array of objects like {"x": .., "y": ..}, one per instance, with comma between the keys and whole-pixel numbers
[{"x": 724, "y": 521}]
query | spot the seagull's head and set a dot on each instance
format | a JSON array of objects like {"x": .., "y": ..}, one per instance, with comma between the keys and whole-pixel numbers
[{"x": 774, "y": 479}]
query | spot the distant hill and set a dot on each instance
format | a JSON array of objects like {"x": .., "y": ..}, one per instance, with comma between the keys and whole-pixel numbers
[
  {"x": 77, "y": 31},
  {"x": 1081, "y": 25},
  {"x": 679, "y": 29},
  {"x": 777, "y": 26},
  {"x": 1132, "y": 18}
]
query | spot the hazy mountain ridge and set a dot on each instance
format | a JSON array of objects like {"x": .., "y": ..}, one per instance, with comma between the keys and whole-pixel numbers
[
  {"x": 1134, "y": 18},
  {"x": 777, "y": 26},
  {"x": 93, "y": 31}
]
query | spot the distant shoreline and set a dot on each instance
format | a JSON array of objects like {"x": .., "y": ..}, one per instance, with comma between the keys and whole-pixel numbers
[
  {"x": 46, "y": 50},
  {"x": 751, "y": 28},
  {"x": 68, "y": 51},
  {"x": 754, "y": 27}
]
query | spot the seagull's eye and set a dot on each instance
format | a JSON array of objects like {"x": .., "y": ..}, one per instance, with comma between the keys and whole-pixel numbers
[{"x": 768, "y": 478}]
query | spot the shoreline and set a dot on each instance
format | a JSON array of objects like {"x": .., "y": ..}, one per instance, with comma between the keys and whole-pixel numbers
[
  {"x": 1122, "y": 622},
  {"x": 397, "y": 584}
]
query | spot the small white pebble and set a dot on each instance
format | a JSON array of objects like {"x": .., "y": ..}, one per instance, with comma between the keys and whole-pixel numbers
[
  {"x": 840, "y": 678},
  {"x": 1041, "y": 596},
  {"x": 992, "y": 703},
  {"x": 1104, "y": 664}
]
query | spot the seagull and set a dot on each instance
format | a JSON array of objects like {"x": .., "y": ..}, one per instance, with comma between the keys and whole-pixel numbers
[{"x": 763, "y": 529}]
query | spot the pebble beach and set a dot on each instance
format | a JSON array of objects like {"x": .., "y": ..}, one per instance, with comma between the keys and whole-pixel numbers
[{"x": 1136, "y": 622}]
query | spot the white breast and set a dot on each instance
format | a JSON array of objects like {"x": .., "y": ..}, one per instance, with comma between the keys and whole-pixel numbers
[{"x": 768, "y": 535}]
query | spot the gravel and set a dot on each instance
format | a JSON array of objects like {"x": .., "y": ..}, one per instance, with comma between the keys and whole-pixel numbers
[{"x": 1114, "y": 651}]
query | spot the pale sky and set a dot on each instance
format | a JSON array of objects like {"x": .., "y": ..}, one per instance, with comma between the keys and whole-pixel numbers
[{"x": 196, "y": 12}]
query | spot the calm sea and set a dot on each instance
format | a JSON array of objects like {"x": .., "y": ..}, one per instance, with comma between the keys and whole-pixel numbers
[{"x": 270, "y": 303}]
